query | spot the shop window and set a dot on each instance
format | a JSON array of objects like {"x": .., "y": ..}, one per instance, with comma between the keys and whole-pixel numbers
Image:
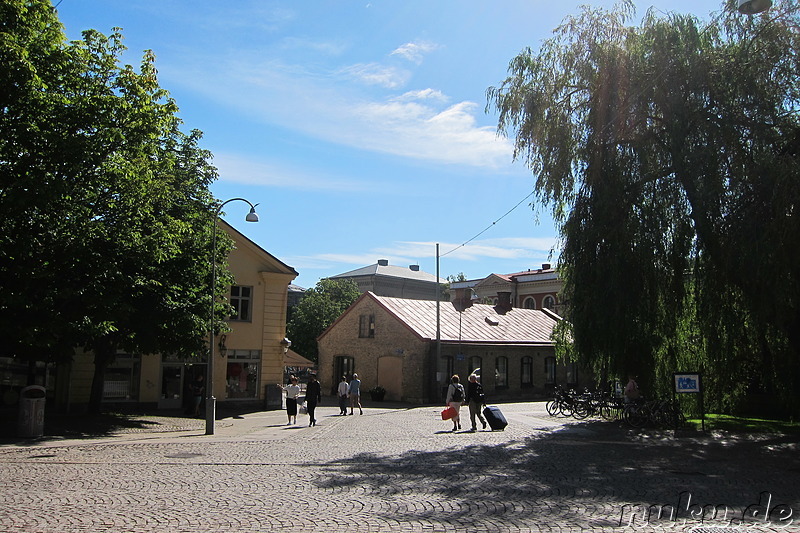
[
  {"x": 242, "y": 303},
  {"x": 242, "y": 374},
  {"x": 15, "y": 375},
  {"x": 121, "y": 378}
]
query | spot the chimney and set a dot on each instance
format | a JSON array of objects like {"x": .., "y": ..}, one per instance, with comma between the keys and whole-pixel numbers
[
  {"x": 383, "y": 262},
  {"x": 545, "y": 266},
  {"x": 415, "y": 268},
  {"x": 503, "y": 302},
  {"x": 463, "y": 299}
]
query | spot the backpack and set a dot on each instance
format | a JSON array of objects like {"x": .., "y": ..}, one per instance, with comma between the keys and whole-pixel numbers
[
  {"x": 458, "y": 393},
  {"x": 480, "y": 397}
]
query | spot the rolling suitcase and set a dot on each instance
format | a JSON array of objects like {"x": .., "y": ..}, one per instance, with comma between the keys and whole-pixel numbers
[{"x": 495, "y": 418}]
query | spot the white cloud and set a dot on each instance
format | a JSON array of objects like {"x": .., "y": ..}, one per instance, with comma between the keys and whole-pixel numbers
[
  {"x": 329, "y": 48},
  {"x": 242, "y": 169},
  {"x": 522, "y": 250},
  {"x": 325, "y": 107},
  {"x": 424, "y": 94},
  {"x": 414, "y": 130},
  {"x": 515, "y": 248},
  {"x": 415, "y": 51},
  {"x": 376, "y": 74},
  {"x": 213, "y": 16}
]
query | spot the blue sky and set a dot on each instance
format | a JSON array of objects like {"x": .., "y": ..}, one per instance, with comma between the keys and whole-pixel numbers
[{"x": 359, "y": 127}]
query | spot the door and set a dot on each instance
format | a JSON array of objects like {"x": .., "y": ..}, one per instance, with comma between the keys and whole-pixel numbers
[
  {"x": 171, "y": 386},
  {"x": 390, "y": 376}
]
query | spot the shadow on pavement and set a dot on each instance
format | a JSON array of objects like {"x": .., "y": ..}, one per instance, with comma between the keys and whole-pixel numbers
[
  {"x": 59, "y": 426},
  {"x": 586, "y": 475}
]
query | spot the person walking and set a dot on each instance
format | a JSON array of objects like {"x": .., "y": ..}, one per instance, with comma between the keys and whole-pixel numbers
[
  {"x": 455, "y": 397},
  {"x": 342, "y": 393},
  {"x": 632, "y": 392},
  {"x": 292, "y": 391},
  {"x": 198, "y": 388},
  {"x": 475, "y": 399},
  {"x": 354, "y": 391},
  {"x": 313, "y": 397}
]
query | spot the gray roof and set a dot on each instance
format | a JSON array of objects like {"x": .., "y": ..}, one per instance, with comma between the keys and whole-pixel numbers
[
  {"x": 479, "y": 323},
  {"x": 390, "y": 271}
]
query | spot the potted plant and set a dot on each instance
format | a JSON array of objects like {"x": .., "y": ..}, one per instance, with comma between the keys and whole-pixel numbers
[{"x": 377, "y": 393}]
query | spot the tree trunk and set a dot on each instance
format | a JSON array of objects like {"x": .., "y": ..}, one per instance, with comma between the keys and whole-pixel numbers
[{"x": 104, "y": 352}]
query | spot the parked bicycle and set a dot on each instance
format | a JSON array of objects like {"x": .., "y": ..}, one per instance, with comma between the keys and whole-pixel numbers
[
  {"x": 562, "y": 403},
  {"x": 657, "y": 413}
]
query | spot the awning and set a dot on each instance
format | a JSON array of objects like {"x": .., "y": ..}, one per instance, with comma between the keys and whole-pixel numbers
[{"x": 292, "y": 358}]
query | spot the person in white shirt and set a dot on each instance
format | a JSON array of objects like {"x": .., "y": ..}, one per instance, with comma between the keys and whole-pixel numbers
[
  {"x": 292, "y": 391},
  {"x": 342, "y": 392}
]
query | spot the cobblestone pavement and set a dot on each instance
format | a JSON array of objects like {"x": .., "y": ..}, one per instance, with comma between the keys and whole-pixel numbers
[{"x": 399, "y": 469}]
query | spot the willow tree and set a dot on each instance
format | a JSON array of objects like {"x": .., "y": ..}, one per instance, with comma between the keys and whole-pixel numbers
[{"x": 668, "y": 151}]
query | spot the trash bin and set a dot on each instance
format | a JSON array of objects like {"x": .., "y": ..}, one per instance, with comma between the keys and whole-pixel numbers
[{"x": 31, "y": 411}]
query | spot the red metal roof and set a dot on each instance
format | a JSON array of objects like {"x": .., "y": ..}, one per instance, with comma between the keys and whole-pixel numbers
[{"x": 479, "y": 323}]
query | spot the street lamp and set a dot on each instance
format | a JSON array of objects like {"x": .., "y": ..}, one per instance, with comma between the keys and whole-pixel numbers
[
  {"x": 211, "y": 401},
  {"x": 752, "y": 7}
]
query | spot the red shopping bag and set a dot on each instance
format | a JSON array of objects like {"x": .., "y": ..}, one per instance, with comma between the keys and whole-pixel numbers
[{"x": 448, "y": 413}]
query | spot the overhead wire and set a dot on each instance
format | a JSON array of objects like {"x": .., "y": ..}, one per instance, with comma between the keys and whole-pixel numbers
[
  {"x": 489, "y": 226},
  {"x": 708, "y": 26}
]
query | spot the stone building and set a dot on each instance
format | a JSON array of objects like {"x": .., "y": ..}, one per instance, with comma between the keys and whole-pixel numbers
[
  {"x": 392, "y": 343},
  {"x": 384, "y": 279},
  {"x": 529, "y": 289}
]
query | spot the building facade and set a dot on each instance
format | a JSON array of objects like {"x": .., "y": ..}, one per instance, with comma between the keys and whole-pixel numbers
[
  {"x": 529, "y": 289},
  {"x": 384, "y": 279},
  {"x": 249, "y": 357},
  {"x": 395, "y": 343}
]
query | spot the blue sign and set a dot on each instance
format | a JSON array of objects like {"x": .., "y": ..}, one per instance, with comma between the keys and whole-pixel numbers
[{"x": 687, "y": 383}]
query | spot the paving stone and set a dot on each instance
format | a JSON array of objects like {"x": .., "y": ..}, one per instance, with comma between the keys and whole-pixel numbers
[{"x": 397, "y": 469}]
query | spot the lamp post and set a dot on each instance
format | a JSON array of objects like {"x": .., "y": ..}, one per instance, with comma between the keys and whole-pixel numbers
[
  {"x": 211, "y": 401},
  {"x": 753, "y": 7}
]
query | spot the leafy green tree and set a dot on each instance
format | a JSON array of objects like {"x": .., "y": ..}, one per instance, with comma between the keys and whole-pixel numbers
[
  {"x": 669, "y": 154},
  {"x": 105, "y": 212},
  {"x": 452, "y": 278},
  {"x": 317, "y": 310}
]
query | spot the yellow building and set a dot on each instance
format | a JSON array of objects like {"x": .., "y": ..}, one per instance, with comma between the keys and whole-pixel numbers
[{"x": 248, "y": 359}]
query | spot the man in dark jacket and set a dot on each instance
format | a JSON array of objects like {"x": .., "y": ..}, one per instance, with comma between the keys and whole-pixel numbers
[
  {"x": 475, "y": 399},
  {"x": 313, "y": 396}
]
